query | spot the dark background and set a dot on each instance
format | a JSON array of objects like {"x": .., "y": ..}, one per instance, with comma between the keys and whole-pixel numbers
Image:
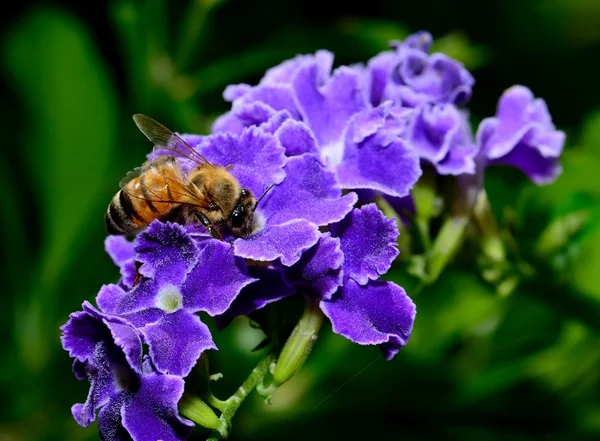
[{"x": 525, "y": 366}]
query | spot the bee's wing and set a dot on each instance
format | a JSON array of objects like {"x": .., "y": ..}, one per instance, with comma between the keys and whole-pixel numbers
[
  {"x": 164, "y": 138},
  {"x": 160, "y": 181}
]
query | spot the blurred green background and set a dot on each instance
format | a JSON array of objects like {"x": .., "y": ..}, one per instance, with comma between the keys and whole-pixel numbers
[{"x": 479, "y": 366}]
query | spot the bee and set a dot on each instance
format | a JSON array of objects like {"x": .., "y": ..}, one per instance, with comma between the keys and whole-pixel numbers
[{"x": 159, "y": 189}]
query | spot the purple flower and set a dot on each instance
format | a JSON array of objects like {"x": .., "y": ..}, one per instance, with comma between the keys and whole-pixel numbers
[
  {"x": 306, "y": 195},
  {"x": 180, "y": 276},
  {"x": 134, "y": 401},
  {"x": 341, "y": 273},
  {"x": 311, "y": 109},
  {"x": 441, "y": 136},
  {"x": 522, "y": 135},
  {"x": 409, "y": 76}
]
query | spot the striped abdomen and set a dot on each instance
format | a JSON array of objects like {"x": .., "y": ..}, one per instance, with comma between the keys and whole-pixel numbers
[{"x": 139, "y": 201}]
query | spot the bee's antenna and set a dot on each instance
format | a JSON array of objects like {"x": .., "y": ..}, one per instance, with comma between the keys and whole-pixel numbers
[{"x": 264, "y": 193}]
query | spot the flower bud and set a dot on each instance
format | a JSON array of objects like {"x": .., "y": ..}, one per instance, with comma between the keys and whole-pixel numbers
[
  {"x": 299, "y": 344},
  {"x": 199, "y": 412}
]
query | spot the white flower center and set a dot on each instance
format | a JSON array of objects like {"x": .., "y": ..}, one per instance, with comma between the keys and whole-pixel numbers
[
  {"x": 169, "y": 298},
  {"x": 333, "y": 152}
]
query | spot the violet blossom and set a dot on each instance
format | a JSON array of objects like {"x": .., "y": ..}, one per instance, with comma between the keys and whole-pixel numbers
[
  {"x": 341, "y": 273},
  {"x": 328, "y": 113},
  {"x": 133, "y": 400},
  {"x": 522, "y": 135},
  {"x": 324, "y": 141}
]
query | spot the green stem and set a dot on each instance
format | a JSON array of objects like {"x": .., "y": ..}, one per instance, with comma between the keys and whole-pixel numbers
[
  {"x": 424, "y": 232},
  {"x": 214, "y": 401},
  {"x": 233, "y": 402},
  {"x": 491, "y": 243},
  {"x": 446, "y": 244}
]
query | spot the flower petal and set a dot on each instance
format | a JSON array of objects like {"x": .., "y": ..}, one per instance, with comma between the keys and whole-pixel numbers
[
  {"x": 309, "y": 192},
  {"x": 368, "y": 241},
  {"x": 375, "y": 314},
  {"x": 286, "y": 241},
  {"x": 248, "y": 152},
  {"x": 541, "y": 170},
  {"x": 98, "y": 357},
  {"x": 375, "y": 159},
  {"x": 326, "y": 109},
  {"x": 81, "y": 334},
  {"x": 378, "y": 72},
  {"x": 269, "y": 287},
  {"x": 109, "y": 298},
  {"x": 152, "y": 412},
  {"x": 216, "y": 281},
  {"x": 177, "y": 341},
  {"x": 296, "y": 138},
  {"x": 318, "y": 274},
  {"x": 276, "y": 96},
  {"x": 109, "y": 421},
  {"x": 119, "y": 249},
  {"x": 167, "y": 252},
  {"x": 522, "y": 135},
  {"x": 284, "y": 72}
]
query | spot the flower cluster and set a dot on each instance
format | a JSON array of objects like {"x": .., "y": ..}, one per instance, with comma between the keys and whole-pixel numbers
[{"x": 319, "y": 135}]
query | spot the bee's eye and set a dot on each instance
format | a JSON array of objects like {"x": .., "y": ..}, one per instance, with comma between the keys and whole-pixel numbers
[
  {"x": 244, "y": 193},
  {"x": 237, "y": 216}
]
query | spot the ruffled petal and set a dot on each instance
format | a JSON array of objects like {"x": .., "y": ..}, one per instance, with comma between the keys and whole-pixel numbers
[
  {"x": 522, "y": 135},
  {"x": 326, "y": 109},
  {"x": 119, "y": 249},
  {"x": 109, "y": 421},
  {"x": 378, "y": 72},
  {"x": 284, "y": 73},
  {"x": 375, "y": 158},
  {"x": 379, "y": 313},
  {"x": 216, "y": 281},
  {"x": 81, "y": 334},
  {"x": 177, "y": 341},
  {"x": 248, "y": 152},
  {"x": 152, "y": 413},
  {"x": 541, "y": 170},
  {"x": 110, "y": 297},
  {"x": 318, "y": 274},
  {"x": 269, "y": 287},
  {"x": 296, "y": 138},
  {"x": 286, "y": 242},
  {"x": 309, "y": 192},
  {"x": 167, "y": 252},
  {"x": 368, "y": 241}
]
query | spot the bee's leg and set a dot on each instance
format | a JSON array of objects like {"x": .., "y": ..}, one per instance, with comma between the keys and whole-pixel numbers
[{"x": 209, "y": 226}]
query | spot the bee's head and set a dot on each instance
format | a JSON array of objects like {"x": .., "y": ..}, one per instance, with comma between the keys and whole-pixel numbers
[{"x": 243, "y": 212}]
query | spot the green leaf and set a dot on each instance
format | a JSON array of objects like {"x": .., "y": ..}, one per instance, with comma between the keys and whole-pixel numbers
[{"x": 71, "y": 134}]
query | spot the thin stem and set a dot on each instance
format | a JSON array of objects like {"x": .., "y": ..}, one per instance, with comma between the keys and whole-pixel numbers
[
  {"x": 447, "y": 243},
  {"x": 233, "y": 402},
  {"x": 214, "y": 401},
  {"x": 424, "y": 232},
  {"x": 491, "y": 243}
]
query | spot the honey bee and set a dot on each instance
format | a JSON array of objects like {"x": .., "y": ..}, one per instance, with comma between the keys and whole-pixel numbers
[{"x": 160, "y": 190}]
